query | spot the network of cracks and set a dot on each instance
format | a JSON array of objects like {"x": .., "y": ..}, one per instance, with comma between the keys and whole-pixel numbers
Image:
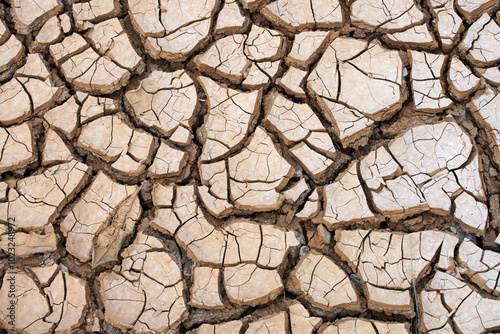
[{"x": 250, "y": 166}]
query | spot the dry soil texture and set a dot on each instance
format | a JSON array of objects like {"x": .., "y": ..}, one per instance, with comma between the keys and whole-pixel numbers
[{"x": 250, "y": 166}]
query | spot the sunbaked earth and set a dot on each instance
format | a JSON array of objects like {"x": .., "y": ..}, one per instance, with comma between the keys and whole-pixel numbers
[{"x": 250, "y": 166}]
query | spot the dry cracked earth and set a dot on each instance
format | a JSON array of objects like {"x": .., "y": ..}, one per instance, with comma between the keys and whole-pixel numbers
[{"x": 250, "y": 166}]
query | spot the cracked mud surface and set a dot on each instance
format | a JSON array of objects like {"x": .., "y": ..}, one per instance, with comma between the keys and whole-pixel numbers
[{"x": 250, "y": 166}]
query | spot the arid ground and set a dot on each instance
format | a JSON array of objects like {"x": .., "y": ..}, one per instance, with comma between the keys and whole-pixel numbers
[{"x": 250, "y": 166}]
